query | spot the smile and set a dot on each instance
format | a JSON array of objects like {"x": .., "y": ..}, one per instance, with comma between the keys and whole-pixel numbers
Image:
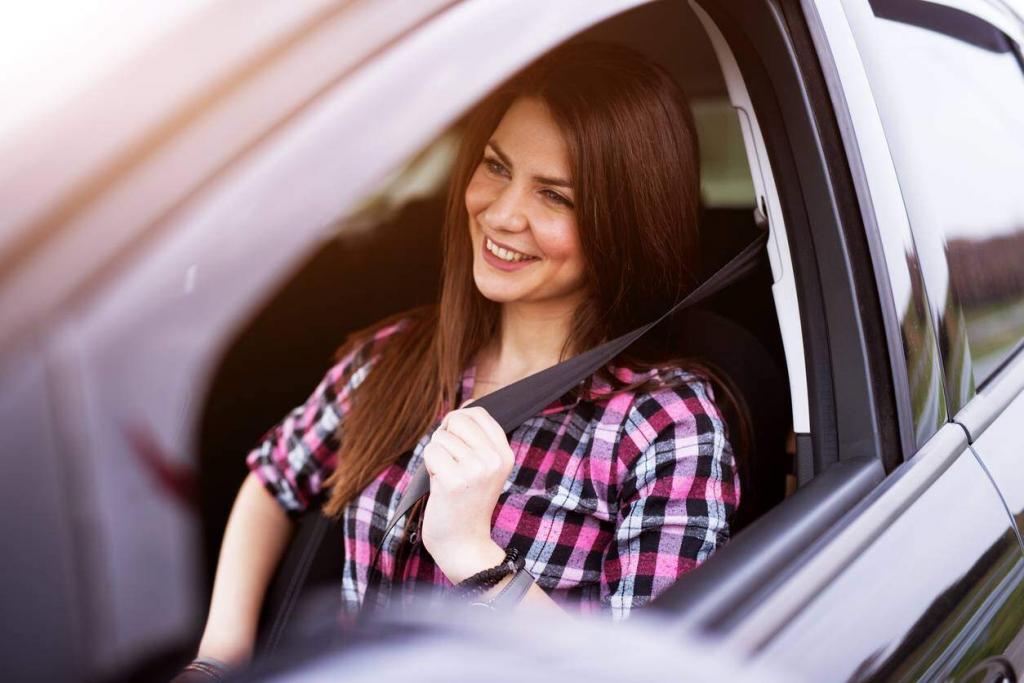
[{"x": 505, "y": 254}]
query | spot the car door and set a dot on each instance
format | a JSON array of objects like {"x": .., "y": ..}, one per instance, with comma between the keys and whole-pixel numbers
[
  {"x": 935, "y": 591},
  {"x": 97, "y": 383},
  {"x": 921, "y": 579},
  {"x": 131, "y": 270},
  {"x": 995, "y": 415},
  {"x": 986, "y": 267}
]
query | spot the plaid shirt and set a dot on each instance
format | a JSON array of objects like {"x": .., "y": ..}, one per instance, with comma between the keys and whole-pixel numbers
[{"x": 611, "y": 498}]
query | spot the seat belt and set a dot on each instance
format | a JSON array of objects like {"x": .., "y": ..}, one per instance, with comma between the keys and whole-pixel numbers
[{"x": 515, "y": 403}]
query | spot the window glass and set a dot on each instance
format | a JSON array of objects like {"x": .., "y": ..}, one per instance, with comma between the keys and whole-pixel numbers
[
  {"x": 950, "y": 92},
  {"x": 725, "y": 171}
]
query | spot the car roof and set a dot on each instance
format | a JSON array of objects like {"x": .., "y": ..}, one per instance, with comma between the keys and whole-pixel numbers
[{"x": 61, "y": 167}]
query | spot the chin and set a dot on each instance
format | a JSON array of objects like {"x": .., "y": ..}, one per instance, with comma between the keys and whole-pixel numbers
[
  {"x": 498, "y": 295},
  {"x": 492, "y": 289}
]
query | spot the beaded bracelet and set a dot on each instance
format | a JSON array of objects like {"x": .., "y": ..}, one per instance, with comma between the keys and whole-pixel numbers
[{"x": 483, "y": 581}]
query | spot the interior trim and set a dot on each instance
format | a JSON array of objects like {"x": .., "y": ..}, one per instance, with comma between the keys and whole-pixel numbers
[{"x": 784, "y": 290}]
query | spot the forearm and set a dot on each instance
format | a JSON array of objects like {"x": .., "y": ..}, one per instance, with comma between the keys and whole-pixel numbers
[{"x": 255, "y": 538}]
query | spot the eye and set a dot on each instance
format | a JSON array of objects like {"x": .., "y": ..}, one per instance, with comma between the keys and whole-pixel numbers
[
  {"x": 557, "y": 198},
  {"x": 495, "y": 167}
]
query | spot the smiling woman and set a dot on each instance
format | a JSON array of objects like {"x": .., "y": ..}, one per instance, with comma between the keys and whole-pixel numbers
[{"x": 571, "y": 219}]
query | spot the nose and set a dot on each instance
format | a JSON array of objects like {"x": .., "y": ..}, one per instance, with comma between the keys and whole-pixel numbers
[{"x": 507, "y": 211}]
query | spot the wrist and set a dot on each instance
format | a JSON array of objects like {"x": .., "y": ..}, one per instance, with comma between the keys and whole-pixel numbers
[
  {"x": 230, "y": 651},
  {"x": 461, "y": 562}
]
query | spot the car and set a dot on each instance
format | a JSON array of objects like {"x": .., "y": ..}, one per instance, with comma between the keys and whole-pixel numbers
[{"x": 257, "y": 181}]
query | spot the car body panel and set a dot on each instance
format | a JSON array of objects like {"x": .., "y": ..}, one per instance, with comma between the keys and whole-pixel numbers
[
  {"x": 995, "y": 421},
  {"x": 44, "y": 539},
  {"x": 949, "y": 598}
]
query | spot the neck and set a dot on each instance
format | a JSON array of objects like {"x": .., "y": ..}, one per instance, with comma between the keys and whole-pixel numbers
[{"x": 530, "y": 339}]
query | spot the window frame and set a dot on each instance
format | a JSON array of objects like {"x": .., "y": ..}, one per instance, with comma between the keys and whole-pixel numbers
[
  {"x": 850, "y": 380},
  {"x": 852, "y": 436},
  {"x": 881, "y": 205},
  {"x": 856, "y": 434}
]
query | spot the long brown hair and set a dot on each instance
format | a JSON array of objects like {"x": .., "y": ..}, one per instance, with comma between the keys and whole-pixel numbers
[{"x": 634, "y": 164}]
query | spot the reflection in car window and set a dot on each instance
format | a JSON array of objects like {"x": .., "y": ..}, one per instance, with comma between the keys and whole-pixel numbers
[
  {"x": 928, "y": 407},
  {"x": 953, "y": 110}
]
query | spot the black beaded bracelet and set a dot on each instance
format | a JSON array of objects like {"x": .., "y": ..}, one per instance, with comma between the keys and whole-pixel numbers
[
  {"x": 483, "y": 581},
  {"x": 481, "y": 587}
]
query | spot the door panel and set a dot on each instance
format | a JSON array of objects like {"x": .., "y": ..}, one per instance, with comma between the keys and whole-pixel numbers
[
  {"x": 1001, "y": 450},
  {"x": 937, "y": 592},
  {"x": 142, "y": 339},
  {"x": 41, "y": 604}
]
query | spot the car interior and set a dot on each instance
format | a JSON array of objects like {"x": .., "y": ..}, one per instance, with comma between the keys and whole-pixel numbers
[{"x": 384, "y": 257}]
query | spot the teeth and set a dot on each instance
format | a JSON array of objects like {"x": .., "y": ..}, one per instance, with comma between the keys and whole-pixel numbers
[{"x": 504, "y": 254}]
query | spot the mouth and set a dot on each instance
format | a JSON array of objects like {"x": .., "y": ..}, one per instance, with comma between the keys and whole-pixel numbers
[
  {"x": 501, "y": 257},
  {"x": 504, "y": 253}
]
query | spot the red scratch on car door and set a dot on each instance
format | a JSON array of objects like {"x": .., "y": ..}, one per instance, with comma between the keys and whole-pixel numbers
[{"x": 178, "y": 482}]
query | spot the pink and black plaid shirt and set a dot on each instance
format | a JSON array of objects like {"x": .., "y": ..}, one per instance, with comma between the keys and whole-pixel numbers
[{"x": 611, "y": 499}]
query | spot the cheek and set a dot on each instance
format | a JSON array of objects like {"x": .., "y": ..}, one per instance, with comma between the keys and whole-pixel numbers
[
  {"x": 560, "y": 242},
  {"x": 479, "y": 194}
]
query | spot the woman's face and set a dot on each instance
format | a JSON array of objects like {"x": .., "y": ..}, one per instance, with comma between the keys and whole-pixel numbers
[{"x": 522, "y": 219}]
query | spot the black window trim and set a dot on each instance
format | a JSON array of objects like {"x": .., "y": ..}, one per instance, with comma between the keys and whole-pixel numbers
[
  {"x": 886, "y": 304},
  {"x": 949, "y": 21}
]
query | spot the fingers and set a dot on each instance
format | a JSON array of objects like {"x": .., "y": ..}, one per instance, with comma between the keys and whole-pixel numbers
[
  {"x": 456, "y": 448},
  {"x": 461, "y": 424},
  {"x": 482, "y": 420},
  {"x": 484, "y": 435},
  {"x": 440, "y": 465},
  {"x": 473, "y": 440},
  {"x": 489, "y": 427}
]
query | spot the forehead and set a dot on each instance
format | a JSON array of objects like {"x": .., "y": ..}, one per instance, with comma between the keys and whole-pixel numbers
[{"x": 529, "y": 135}]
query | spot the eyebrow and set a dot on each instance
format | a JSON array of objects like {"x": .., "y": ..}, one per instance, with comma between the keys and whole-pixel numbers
[{"x": 543, "y": 180}]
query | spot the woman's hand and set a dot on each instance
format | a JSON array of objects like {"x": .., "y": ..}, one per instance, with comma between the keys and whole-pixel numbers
[{"x": 468, "y": 460}]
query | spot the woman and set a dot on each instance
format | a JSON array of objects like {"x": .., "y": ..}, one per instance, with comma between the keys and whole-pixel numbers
[{"x": 571, "y": 219}]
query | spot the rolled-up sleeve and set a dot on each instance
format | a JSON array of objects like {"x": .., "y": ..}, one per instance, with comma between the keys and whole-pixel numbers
[
  {"x": 296, "y": 456},
  {"x": 679, "y": 487}
]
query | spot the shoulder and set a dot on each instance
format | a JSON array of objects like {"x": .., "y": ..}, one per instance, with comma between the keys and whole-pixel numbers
[
  {"x": 675, "y": 395},
  {"x": 671, "y": 404},
  {"x": 363, "y": 348}
]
